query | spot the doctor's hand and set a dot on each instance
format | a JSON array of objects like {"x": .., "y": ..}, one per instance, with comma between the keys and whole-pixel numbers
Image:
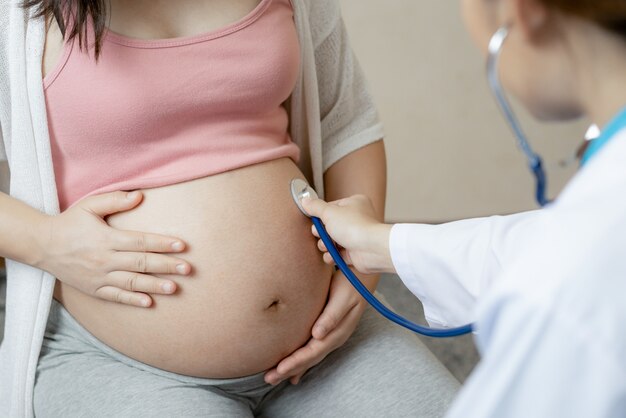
[
  {"x": 80, "y": 249},
  {"x": 363, "y": 240},
  {"x": 332, "y": 329}
]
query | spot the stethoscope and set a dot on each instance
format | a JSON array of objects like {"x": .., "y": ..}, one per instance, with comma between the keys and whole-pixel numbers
[{"x": 300, "y": 189}]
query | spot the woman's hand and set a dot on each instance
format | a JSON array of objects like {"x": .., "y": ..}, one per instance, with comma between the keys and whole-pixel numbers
[
  {"x": 79, "y": 248},
  {"x": 331, "y": 330},
  {"x": 352, "y": 224}
]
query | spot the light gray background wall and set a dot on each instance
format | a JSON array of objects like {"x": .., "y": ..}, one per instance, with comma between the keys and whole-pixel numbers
[{"x": 450, "y": 153}]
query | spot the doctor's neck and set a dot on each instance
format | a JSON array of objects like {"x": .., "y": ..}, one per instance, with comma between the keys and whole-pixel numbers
[
  {"x": 598, "y": 59},
  {"x": 562, "y": 58}
]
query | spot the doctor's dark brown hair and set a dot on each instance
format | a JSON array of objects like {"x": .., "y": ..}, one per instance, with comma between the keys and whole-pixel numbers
[{"x": 610, "y": 14}]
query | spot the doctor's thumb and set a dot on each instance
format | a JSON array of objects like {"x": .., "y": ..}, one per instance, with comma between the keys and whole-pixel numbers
[{"x": 314, "y": 207}]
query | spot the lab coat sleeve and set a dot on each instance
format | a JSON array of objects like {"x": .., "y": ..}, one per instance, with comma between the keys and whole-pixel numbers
[
  {"x": 448, "y": 266},
  {"x": 542, "y": 363}
]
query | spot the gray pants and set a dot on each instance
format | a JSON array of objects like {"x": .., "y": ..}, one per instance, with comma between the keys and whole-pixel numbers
[{"x": 382, "y": 371}]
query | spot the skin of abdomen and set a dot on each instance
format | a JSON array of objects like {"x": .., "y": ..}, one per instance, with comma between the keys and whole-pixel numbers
[{"x": 257, "y": 285}]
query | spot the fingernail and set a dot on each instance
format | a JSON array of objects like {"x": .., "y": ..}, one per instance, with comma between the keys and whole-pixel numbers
[
  {"x": 168, "y": 287},
  {"x": 177, "y": 246},
  {"x": 145, "y": 302},
  {"x": 132, "y": 195},
  {"x": 181, "y": 268}
]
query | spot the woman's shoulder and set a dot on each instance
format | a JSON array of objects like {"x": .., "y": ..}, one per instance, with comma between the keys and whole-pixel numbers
[
  {"x": 322, "y": 7},
  {"x": 323, "y": 16}
]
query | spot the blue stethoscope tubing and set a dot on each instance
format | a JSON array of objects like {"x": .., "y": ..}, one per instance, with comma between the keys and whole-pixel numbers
[
  {"x": 372, "y": 300},
  {"x": 534, "y": 160},
  {"x": 535, "y": 165}
]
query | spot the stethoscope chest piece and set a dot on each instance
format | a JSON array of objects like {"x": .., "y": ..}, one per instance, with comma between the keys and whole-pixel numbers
[{"x": 299, "y": 190}]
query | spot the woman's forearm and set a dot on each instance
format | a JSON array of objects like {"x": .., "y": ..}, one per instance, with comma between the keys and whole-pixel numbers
[
  {"x": 18, "y": 230},
  {"x": 362, "y": 172}
]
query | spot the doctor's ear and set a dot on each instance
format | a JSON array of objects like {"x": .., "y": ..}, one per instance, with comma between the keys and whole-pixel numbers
[{"x": 528, "y": 16}]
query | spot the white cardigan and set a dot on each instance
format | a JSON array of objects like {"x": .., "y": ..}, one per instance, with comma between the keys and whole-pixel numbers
[{"x": 331, "y": 115}]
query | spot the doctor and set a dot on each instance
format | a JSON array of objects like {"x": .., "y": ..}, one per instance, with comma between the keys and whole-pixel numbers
[{"x": 547, "y": 288}]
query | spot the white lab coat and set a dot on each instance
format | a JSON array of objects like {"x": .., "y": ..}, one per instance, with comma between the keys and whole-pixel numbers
[{"x": 548, "y": 291}]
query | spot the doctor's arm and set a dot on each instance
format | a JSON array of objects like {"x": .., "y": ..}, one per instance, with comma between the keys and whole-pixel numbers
[
  {"x": 449, "y": 266},
  {"x": 446, "y": 266}
]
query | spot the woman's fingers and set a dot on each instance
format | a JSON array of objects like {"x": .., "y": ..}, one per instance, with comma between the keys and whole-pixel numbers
[
  {"x": 110, "y": 203},
  {"x": 315, "y": 350},
  {"x": 149, "y": 263},
  {"x": 296, "y": 379},
  {"x": 305, "y": 357},
  {"x": 137, "y": 282},
  {"x": 308, "y": 354},
  {"x": 339, "y": 305},
  {"x": 115, "y": 294},
  {"x": 144, "y": 242}
]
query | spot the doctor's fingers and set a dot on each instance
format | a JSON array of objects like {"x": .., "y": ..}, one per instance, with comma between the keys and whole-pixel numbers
[
  {"x": 321, "y": 246},
  {"x": 324, "y": 210},
  {"x": 357, "y": 200},
  {"x": 141, "y": 262},
  {"x": 328, "y": 259},
  {"x": 315, "y": 207}
]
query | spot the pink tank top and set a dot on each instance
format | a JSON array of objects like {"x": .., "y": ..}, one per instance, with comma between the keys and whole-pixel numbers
[{"x": 150, "y": 113}]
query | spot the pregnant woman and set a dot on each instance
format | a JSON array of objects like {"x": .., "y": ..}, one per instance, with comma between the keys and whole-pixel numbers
[{"x": 202, "y": 293}]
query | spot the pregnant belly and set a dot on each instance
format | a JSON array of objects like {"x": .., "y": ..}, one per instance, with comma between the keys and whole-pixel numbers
[{"x": 257, "y": 286}]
